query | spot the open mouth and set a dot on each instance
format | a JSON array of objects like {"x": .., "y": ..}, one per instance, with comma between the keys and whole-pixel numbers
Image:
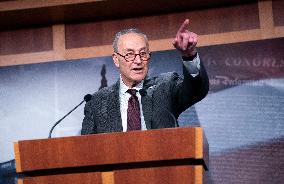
[{"x": 137, "y": 69}]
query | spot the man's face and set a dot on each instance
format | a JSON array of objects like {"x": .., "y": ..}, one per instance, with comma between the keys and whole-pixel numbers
[{"x": 132, "y": 72}]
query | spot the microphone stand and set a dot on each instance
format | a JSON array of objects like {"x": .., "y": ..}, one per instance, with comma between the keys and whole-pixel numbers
[
  {"x": 50, "y": 132},
  {"x": 87, "y": 98}
]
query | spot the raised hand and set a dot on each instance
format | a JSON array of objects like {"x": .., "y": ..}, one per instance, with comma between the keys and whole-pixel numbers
[{"x": 185, "y": 41}]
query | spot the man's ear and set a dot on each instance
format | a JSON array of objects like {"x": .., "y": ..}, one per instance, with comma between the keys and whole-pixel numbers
[{"x": 115, "y": 60}]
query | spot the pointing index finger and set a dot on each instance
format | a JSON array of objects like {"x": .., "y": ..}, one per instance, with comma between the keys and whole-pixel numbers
[{"x": 184, "y": 26}]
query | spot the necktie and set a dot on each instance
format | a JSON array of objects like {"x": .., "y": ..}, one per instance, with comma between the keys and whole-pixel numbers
[{"x": 133, "y": 111}]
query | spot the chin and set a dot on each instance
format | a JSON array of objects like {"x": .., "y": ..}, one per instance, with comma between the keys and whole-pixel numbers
[{"x": 139, "y": 78}]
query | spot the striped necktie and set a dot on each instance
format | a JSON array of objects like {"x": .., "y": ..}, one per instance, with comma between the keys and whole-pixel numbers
[{"x": 133, "y": 111}]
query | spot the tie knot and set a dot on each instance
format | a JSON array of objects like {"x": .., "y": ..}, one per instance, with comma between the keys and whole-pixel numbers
[{"x": 132, "y": 92}]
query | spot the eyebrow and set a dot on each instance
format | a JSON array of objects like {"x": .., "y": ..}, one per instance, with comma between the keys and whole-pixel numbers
[{"x": 143, "y": 48}]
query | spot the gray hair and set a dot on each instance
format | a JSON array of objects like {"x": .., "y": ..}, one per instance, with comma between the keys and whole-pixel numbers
[{"x": 123, "y": 32}]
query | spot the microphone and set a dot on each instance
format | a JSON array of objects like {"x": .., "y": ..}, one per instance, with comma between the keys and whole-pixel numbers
[
  {"x": 143, "y": 93},
  {"x": 87, "y": 98}
]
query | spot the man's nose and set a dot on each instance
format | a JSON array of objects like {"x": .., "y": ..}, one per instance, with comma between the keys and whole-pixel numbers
[{"x": 137, "y": 59}]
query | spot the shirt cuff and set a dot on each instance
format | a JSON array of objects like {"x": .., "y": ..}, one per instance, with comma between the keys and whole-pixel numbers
[{"x": 192, "y": 66}]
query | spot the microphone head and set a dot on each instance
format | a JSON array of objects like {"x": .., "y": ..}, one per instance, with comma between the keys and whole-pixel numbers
[
  {"x": 143, "y": 92},
  {"x": 87, "y": 97}
]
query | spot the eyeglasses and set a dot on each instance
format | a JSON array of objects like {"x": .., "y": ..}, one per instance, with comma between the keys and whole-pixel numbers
[{"x": 144, "y": 56}]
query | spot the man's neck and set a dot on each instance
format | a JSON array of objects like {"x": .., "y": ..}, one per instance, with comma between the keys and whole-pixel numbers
[{"x": 133, "y": 84}]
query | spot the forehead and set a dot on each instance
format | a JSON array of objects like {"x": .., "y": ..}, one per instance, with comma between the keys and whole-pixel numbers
[{"x": 131, "y": 41}]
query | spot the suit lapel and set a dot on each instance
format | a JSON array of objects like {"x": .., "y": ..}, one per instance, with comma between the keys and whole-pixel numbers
[
  {"x": 113, "y": 104},
  {"x": 147, "y": 104}
]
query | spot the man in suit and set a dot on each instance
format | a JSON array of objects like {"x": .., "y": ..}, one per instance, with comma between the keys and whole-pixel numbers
[{"x": 136, "y": 102}]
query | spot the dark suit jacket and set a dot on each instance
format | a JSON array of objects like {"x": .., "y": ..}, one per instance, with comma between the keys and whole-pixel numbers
[{"x": 167, "y": 95}]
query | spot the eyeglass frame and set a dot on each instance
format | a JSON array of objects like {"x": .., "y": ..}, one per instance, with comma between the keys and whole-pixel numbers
[{"x": 135, "y": 56}]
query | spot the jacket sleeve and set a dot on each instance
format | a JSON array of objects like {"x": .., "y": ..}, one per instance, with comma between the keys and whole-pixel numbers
[{"x": 189, "y": 90}]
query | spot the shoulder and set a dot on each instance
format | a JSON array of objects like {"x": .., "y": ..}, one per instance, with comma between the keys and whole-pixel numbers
[
  {"x": 102, "y": 94},
  {"x": 104, "y": 91},
  {"x": 163, "y": 78}
]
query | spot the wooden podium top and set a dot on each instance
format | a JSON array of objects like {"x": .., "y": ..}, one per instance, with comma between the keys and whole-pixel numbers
[{"x": 112, "y": 149}]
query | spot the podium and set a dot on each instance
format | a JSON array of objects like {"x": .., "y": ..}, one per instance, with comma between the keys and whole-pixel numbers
[{"x": 171, "y": 155}]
